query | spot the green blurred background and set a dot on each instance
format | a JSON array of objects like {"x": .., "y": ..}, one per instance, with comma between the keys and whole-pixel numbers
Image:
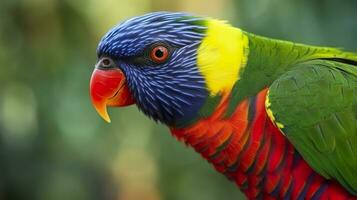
[{"x": 53, "y": 145}]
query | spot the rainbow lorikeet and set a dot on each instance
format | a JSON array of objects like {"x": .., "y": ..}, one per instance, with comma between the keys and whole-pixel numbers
[{"x": 277, "y": 118}]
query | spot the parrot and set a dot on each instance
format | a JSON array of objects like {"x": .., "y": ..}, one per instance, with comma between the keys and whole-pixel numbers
[{"x": 277, "y": 118}]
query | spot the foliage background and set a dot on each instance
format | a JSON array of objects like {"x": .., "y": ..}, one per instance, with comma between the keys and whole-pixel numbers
[{"x": 52, "y": 143}]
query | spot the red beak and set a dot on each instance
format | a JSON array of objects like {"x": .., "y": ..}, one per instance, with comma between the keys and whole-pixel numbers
[{"x": 108, "y": 88}]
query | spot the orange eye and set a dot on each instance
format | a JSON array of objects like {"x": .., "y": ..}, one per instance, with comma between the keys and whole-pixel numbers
[{"x": 159, "y": 54}]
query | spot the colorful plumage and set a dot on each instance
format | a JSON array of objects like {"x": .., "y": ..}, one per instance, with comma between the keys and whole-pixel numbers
[{"x": 277, "y": 118}]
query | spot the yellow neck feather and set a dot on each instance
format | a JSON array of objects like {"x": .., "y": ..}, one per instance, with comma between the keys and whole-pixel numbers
[{"x": 222, "y": 55}]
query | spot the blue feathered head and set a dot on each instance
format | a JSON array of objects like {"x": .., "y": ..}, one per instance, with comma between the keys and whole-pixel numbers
[{"x": 151, "y": 61}]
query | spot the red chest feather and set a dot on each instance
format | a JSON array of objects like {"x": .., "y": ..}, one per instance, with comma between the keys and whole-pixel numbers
[{"x": 248, "y": 149}]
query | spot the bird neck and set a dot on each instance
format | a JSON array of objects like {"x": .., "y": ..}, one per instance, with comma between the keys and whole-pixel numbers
[
  {"x": 267, "y": 59},
  {"x": 221, "y": 56},
  {"x": 232, "y": 61}
]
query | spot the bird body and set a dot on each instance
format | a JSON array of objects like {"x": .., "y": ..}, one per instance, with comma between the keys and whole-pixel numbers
[
  {"x": 276, "y": 117},
  {"x": 251, "y": 151}
]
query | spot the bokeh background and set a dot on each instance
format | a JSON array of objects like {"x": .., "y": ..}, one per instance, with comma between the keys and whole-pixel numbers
[{"x": 53, "y": 145}]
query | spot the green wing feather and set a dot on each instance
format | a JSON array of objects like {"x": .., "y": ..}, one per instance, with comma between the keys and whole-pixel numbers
[{"x": 315, "y": 104}]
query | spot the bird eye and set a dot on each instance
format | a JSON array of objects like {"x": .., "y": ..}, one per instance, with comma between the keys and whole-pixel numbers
[{"x": 159, "y": 54}]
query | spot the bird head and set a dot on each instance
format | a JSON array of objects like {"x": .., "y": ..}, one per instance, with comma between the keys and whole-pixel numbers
[{"x": 153, "y": 61}]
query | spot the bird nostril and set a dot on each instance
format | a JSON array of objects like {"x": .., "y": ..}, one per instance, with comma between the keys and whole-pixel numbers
[{"x": 106, "y": 62}]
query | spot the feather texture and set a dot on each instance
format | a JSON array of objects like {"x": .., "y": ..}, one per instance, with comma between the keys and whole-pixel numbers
[
  {"x": 212, "y": 93},
  {"x": 248, "y": 149}
]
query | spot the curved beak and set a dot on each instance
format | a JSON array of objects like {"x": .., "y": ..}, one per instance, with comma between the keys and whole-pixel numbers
[{"x": 108, "y": 88}]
